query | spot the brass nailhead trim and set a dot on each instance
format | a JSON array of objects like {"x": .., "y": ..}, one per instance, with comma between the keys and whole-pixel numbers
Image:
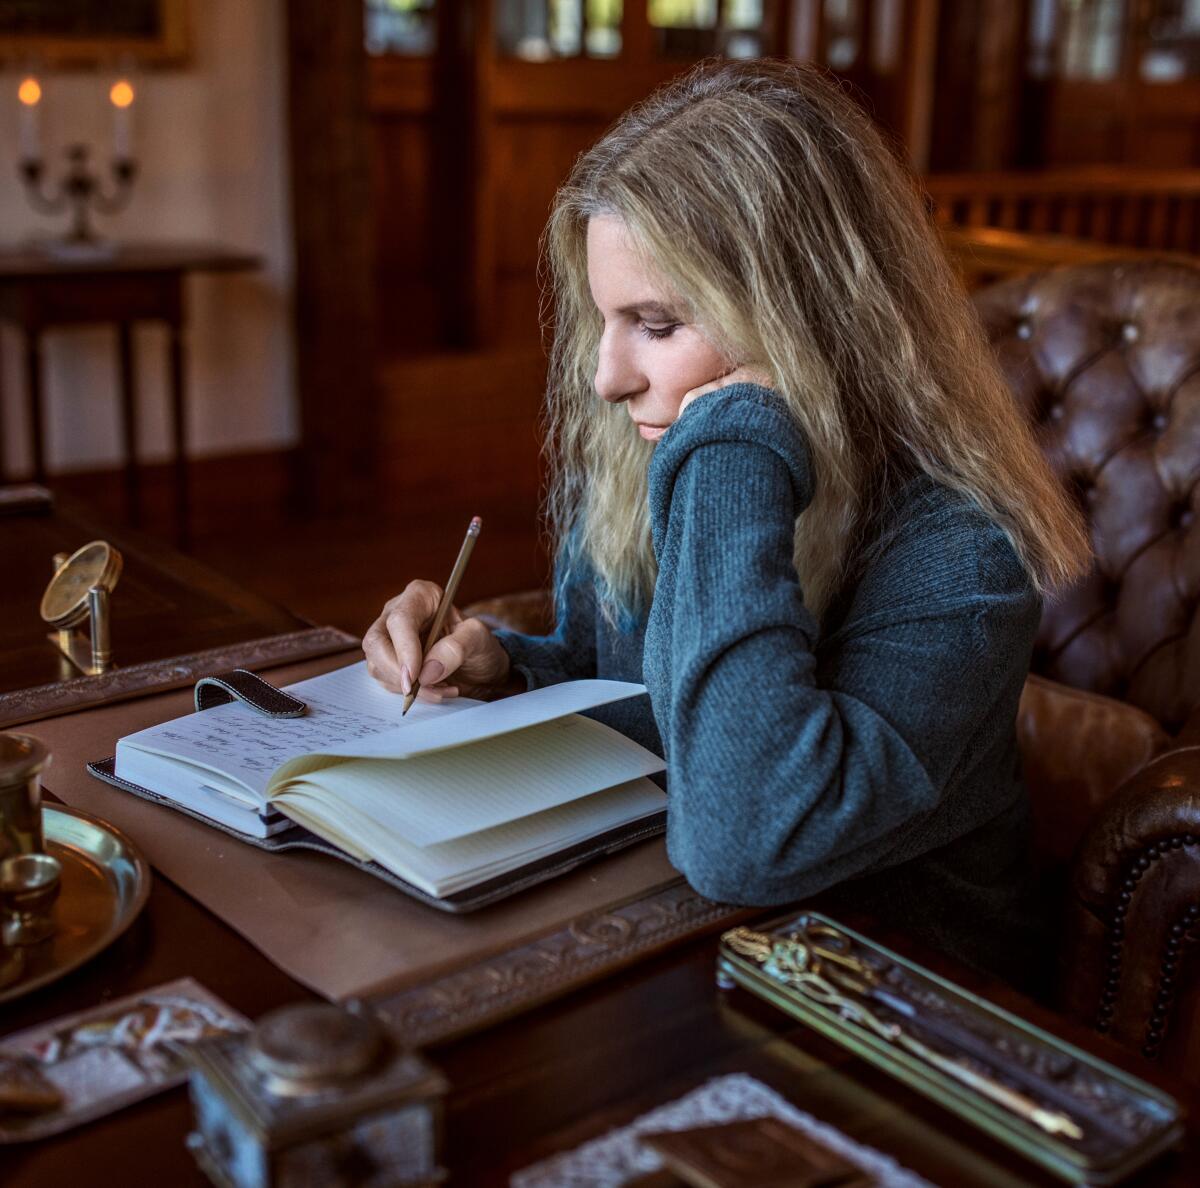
[{"x": 1116, "y": 935}]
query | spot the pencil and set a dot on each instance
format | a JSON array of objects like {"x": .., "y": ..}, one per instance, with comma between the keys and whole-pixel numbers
[{"x": 447, "y": 600}]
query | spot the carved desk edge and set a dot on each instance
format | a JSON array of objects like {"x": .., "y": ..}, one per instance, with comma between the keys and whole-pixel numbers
[
  {"x": 585, "y": 949},
  {"x": 175, "y": 672}
]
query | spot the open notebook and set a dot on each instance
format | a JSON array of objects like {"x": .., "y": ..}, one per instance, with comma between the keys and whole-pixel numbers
[{"x": 461, "y": 803}]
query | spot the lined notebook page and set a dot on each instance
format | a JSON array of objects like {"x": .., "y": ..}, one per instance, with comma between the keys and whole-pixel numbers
[
  {"x": 435, "y": 798},
  {"x": 486, "y": 720},
  {"x": 448, "y": 867},
  {"x": 344, "y": 706}
]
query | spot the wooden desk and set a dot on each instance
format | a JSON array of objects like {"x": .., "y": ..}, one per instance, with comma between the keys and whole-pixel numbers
[
  {"x": 552, "y": 1078},
  {"x": 138, "y": 282}
]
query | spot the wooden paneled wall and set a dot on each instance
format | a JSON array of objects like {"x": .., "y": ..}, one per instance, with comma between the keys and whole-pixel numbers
[
  {"x": 334, "y": 303},
  {"x": 404, "y": 268}
]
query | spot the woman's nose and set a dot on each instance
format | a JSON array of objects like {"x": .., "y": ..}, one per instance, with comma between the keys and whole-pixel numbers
[{"x": 617, "y": 376}]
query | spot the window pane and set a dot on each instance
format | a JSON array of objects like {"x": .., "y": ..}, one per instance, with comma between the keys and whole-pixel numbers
[
  {"x": 1043, "y": 28},
  {"x": 1090, "y": 39},
  {"x": 566, "y": 27},
  {"x": 537, "y": 30},
  {"x": 843, "y": 33},
  {"x": 698, "y": 28},
  {"x": 400, "y": 26},
  {"x": 1173, "y": 33},
  {"x": 682, "y": 14},
  {"x": 742, "y": 32},
  {"x": 603, "y": 33}
]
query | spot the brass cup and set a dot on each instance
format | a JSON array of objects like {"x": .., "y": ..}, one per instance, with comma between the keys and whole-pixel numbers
[
  {"x": 29, "y": 885},
  {"x": 22, "y": 758}
]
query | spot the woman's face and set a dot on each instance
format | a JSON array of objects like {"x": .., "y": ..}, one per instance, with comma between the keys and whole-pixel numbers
[{"x": 650, "y": 358}]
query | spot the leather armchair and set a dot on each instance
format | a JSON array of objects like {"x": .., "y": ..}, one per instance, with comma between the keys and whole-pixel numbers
[{"x": 1105, "y": 360}]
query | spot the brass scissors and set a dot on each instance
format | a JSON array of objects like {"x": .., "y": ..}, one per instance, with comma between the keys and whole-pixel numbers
[{"x": 830, "y": 954}]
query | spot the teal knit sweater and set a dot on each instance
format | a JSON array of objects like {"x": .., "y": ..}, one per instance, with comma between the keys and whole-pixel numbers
[{"x": 875, "y": 750}]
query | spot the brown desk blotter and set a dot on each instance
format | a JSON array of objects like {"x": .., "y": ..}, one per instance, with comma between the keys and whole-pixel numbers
[{"x": 346, "y": 934}]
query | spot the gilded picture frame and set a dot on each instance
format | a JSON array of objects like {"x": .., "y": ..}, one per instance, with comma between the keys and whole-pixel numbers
[{"x": 84, "y": 33}]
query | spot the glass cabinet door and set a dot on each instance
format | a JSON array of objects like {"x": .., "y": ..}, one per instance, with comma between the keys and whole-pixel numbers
[
  {"x": 539, "y": 30},
  {"x": 404, "y": 27},
  {"x": 1169, "y": 49},
  {"x": 701, "y": 28}
]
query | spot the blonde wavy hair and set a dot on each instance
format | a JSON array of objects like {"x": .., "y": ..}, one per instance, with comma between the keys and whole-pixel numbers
[{"x": 775, "y": 213}]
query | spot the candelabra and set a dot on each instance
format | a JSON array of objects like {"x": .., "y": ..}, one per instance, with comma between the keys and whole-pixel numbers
[{"x": 80, "y": 189}]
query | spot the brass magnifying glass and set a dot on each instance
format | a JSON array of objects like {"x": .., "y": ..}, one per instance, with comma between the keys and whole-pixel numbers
[{"x": 79, "y": 593}]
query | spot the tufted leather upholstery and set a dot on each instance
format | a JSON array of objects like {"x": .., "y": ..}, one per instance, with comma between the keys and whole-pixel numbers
[{"x": 1105, "y": 359}]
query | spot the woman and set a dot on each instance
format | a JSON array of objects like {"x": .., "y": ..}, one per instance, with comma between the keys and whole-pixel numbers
[{"x": 792, "y": 494}]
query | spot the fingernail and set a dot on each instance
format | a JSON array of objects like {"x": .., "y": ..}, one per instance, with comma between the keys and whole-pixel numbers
[
  {"x": 405, "y": 681},
  {"x": 433, "y": 672}
]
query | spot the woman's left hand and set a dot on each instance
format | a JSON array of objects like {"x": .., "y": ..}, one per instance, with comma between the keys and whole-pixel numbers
[{"x": 739, "y": 375}]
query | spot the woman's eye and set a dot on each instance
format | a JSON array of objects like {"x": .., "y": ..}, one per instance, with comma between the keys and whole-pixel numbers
[{"x": 659, "y": 331}]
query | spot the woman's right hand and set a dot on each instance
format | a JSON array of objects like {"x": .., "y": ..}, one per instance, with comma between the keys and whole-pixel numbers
[{"x": 467, "y": 659}]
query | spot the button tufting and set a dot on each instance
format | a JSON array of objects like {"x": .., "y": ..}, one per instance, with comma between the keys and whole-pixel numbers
[
  {"x": 1158, "y": 422},
  {"x": 1129, "y": 332},
  {"x": 1024, "y": 330},
  {"x": 1056, "y": 412}
]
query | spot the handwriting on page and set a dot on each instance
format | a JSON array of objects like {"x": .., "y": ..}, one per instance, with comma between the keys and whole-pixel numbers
[
  {"x": 344, "y": 708},
  {"x": 242, "y": 741}
]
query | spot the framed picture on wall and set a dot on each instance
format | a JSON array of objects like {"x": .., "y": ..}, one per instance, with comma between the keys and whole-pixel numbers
[{"x": 94, "y": 32}]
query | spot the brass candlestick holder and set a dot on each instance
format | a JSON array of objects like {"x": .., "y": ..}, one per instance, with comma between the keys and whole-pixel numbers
[
  {"x": 80, "y": 190},
  {"x": 80, "y": 592}
]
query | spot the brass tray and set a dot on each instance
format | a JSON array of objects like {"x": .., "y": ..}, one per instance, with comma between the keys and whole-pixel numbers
[{"x": 105, "y": 882}]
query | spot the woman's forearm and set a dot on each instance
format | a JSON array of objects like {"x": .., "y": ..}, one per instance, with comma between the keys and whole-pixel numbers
[{"x": 781, "y": 784}]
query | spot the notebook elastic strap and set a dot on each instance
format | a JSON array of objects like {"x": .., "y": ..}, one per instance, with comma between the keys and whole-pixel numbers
[{"x": 241, "y": 685}]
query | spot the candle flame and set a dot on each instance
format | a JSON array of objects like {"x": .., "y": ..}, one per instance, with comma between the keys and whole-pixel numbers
[
  {"x": 30, "y": 92},
  {"x": 121, "y": 93}
]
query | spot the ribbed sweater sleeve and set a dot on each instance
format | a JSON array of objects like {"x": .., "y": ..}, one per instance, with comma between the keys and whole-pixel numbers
[
  {"x": 784, "y": 780},
  {"x": 570, "y": 652}
]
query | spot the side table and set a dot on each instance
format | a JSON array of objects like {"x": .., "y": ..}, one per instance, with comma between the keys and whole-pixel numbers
[{"x": 136, "y": 282}]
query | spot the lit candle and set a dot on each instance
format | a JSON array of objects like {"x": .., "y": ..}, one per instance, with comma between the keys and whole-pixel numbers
[
  {"x": 30, "y": 95},
  {"x": 121, "y": 96}
]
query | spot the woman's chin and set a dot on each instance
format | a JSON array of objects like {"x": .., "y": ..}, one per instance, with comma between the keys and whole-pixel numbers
[{"x": 651, "y": 432}]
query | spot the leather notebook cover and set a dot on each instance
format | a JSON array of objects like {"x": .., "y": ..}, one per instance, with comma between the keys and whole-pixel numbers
[{"x": 467, "y": 900}]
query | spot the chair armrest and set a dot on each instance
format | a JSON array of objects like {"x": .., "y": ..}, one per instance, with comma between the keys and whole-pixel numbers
[
  {"x": 1133, "y": 912},
  {"x": 530, "y": 612},
  {"x": 1077, "y": 749}
]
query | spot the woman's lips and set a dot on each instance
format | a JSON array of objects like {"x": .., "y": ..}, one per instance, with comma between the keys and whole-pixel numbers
[{"x": 651, "y": 432}]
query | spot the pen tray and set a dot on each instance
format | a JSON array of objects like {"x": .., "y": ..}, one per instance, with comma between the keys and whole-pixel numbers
[{"x": 1125, "y": 1121}]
